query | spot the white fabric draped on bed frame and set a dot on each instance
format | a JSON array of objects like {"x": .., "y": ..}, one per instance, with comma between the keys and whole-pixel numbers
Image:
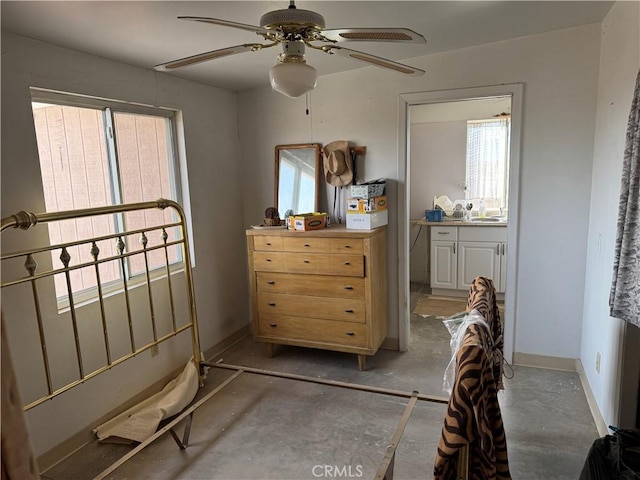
[{"x": 141, "y": 421}]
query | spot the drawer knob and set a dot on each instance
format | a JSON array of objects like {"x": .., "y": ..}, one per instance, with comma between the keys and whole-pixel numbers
[
  {"x": 348, "y": 287},
  {"x": 272, "y": 304},
  {"x": 268, "y": 244},
  {"x": 273, "y": 325},
  {"x": 307, "y": 245},
  {"x": 351, "y": 334},
  {"x": 268, "y": 259},
  {"x": 348, "y": 310},
  {"x": 306, "y": 261},
  {"x": 271, "y": 282},
  {"x": 347, "y": 263},
  {"x": 347, "y": 246}
]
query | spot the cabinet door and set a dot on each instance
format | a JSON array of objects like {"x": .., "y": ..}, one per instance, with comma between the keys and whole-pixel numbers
[
  {"x": 478, "y": 259},
  {"x": 501, "y": 286},
  {"x": 443, "y": 264}
]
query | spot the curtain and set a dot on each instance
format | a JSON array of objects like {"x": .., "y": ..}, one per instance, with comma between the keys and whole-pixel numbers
[
  {"x": 487, "y": 161},
  {"x": 624, "y": 300}
]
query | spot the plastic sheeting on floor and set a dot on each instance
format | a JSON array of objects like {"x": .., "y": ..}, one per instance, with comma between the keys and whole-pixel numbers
[{"x": 141, "y": 421}]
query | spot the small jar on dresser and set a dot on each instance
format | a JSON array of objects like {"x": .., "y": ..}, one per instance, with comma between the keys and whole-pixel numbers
[{"x": 320, "y": 289}]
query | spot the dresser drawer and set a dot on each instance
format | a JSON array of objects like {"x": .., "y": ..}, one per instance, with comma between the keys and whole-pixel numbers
[
  {"x": 309, "y": 329},
  {"x": 323, "y": 245},
  {"x": 324, "y": 264},
  {"x": 317, "y": 285},
  {"x": 267, "y": 261},
  {"x": 339, "y": 309},
  {"x": 267, "y": 243}
]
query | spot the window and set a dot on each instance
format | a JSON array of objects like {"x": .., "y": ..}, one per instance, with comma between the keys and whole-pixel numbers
[
  {"x": 93, "y": 154},
  {"x": 487, "y": 170}
]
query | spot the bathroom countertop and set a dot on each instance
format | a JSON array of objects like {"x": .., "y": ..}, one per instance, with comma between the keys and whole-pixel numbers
[{"x": 460, "y": 223}]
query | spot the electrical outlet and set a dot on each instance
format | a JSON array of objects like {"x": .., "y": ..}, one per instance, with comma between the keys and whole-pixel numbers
[
  {"x": 598, "y": 362},
  {"x": 155, "y": 350}
]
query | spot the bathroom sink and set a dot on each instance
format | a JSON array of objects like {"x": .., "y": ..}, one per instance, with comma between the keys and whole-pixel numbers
[{"x": 488, "y": 219}]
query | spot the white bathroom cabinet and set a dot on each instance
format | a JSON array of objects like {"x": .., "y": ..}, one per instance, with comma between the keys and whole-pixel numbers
[
  {"x": 444, "y": 257},
  {"x": 460, "y": 254}
]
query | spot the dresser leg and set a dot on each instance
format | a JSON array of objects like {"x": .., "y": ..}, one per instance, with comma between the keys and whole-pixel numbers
[
  {"x": 362, "y": 361},
  {"x": 270, "y": 349}
]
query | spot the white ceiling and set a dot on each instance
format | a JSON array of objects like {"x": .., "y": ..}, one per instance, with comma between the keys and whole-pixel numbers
[{"x": 146, "y": 33}]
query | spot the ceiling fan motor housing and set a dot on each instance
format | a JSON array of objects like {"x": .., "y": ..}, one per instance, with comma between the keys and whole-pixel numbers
[
  {"x": 293, "y": 49},
  {"x": 291, "y": 20}
]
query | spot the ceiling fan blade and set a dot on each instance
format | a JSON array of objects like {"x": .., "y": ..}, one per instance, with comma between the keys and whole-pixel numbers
[
  {"x": 400, "y": 35},
  {"x": 376, "y": 61},
  {"x": 212, "y": 55},
  {"x": 227, "y": 23}
]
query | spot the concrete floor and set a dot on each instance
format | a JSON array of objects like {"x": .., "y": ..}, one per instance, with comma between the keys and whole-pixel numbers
[{"x": 270, "y": 428}]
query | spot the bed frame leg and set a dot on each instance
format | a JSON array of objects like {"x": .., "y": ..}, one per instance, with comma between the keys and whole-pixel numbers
[
  {"x": 388, "y": 475},
  {"x": 184, "y": 443}
]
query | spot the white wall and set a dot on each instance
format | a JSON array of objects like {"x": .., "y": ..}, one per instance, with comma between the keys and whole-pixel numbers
[
  {"x": 438, "y": 163},
  {"x": 619, "y": 64},
  {"x": 559, "y": 71},
  {"x": 214, "y": 174},
  {"x": 438, "y": 167}
]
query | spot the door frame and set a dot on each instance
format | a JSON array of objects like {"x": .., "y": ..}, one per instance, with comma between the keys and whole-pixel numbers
[{"x": 515, "y": 91}]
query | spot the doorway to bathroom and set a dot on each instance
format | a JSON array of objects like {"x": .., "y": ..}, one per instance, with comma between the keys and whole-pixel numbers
[{"x": 435, "y": 161}]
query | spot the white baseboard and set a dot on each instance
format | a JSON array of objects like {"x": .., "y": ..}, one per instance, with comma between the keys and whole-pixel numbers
[
  {"x": 221, "y": 347},
  {"x": 601, "y": 425},
  {"x": 391, "y": 343},
  {"x": 571, "y": 365},
  {"x": 543, "y": 361}
]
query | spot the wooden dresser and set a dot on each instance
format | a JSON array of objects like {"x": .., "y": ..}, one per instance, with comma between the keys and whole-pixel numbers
[{"x": 320, "y": 289}]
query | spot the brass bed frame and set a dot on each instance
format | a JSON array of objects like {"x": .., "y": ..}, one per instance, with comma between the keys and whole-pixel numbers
[{"x": 33, "y": 275}]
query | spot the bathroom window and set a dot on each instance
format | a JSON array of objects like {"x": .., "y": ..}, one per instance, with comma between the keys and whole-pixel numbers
[
  {"x": 487, "y": 170},
  {"x": 93, "y": 154}
]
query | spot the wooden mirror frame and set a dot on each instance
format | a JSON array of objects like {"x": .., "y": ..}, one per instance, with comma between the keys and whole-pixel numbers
[{"x": 316, "y": 148}]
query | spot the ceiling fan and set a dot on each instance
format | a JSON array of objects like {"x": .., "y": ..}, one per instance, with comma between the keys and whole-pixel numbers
[{"x": 295, "y": 29}]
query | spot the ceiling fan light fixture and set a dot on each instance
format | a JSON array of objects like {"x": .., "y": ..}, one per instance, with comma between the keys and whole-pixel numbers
[{"x": 292, "y": 77}]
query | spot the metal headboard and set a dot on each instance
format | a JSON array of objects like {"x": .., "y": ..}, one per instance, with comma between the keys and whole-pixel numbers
[{"x": 25, "y": 221}]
